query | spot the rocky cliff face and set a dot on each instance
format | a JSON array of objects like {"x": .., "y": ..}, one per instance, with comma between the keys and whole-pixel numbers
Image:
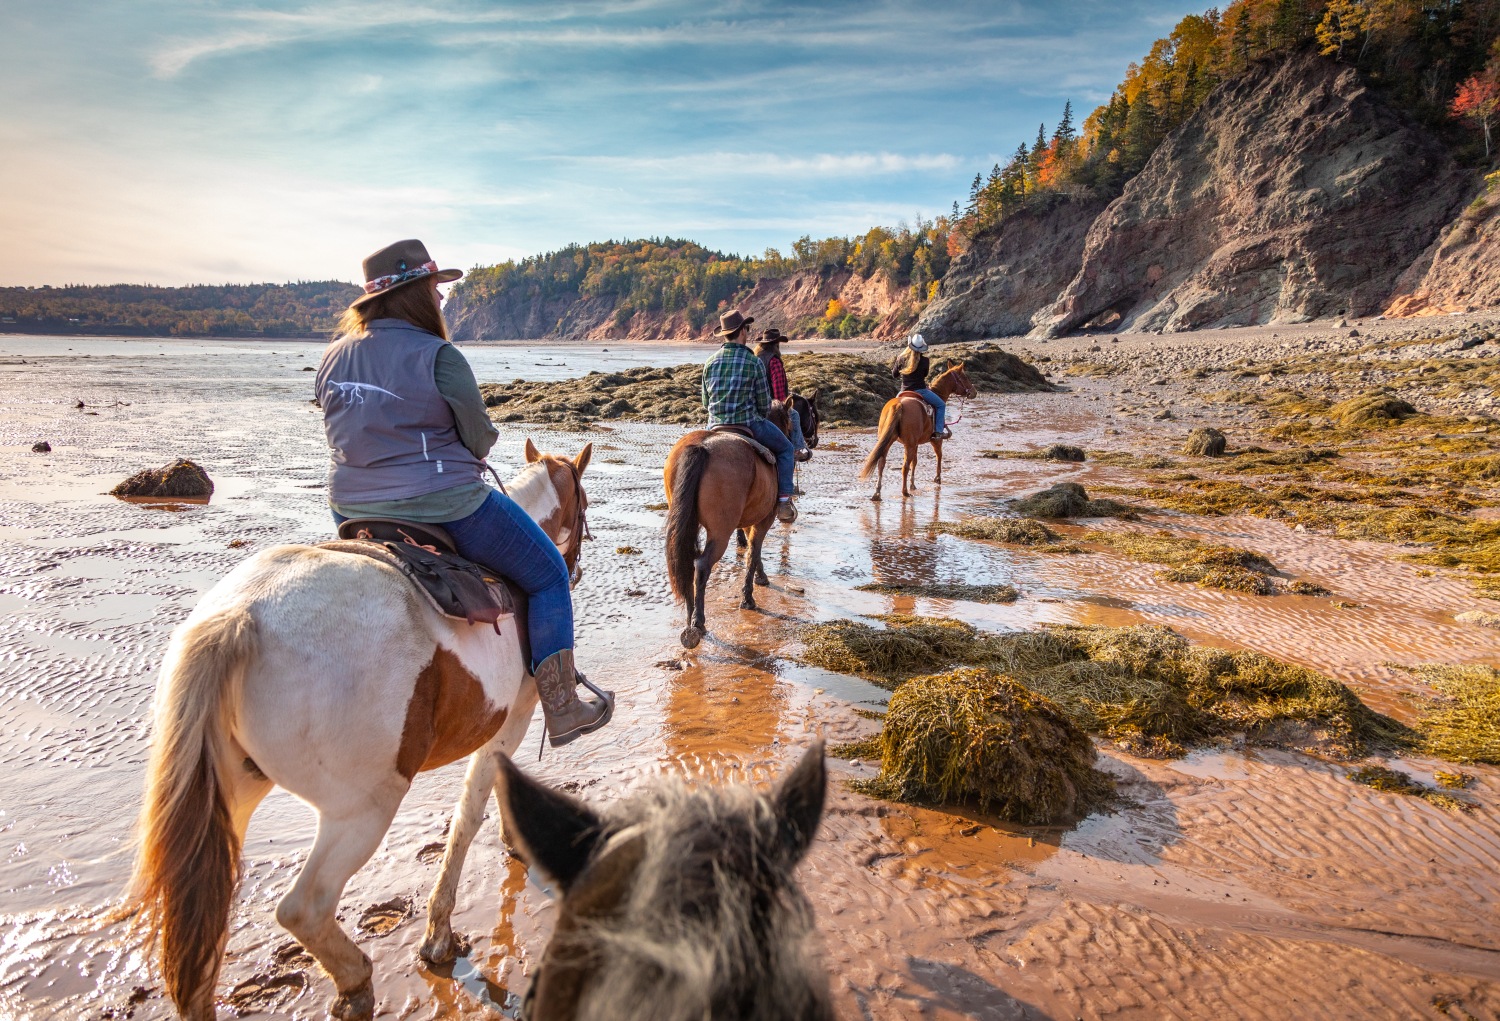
[
  {"x": 1293, "y": 193},
  {"x": 1010, "y": 272},
  {"x": 788, "y": 303},
  {"x": 1460, "y": 271}
]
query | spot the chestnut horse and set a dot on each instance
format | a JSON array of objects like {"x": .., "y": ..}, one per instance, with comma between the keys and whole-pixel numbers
[
  {"x": 718, "y": 482},
  {"x": 678, "y": 904},
  {"x": 906, "y": 417},
  {"x": 329, "y": 675}
]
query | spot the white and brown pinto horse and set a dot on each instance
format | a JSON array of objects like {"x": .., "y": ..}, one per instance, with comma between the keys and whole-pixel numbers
[{"x": 329, "y": 675}]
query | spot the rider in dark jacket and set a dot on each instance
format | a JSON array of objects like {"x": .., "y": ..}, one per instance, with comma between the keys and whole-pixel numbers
[{"x": 912, "y": 366}]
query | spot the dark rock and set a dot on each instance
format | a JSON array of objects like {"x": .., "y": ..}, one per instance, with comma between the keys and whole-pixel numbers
[
  {"x": 41, "y": 447},
  {"x": 180, "y": 479},
  {"x": 1063, "y": 452}
]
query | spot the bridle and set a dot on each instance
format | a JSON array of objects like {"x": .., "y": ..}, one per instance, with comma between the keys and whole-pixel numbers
[
  {"x": 963, "y": 395},
  {"x": 579, "y": 530}
]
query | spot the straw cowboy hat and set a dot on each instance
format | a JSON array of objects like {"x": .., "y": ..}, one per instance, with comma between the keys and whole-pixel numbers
[
  {"x": 917, "y": 342},
  {"x": 403, "y": 263},
  {"x": 731, "y": 321}
]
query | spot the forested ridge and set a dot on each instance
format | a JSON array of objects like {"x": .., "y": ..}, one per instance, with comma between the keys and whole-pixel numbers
[
  {"x": 202, "y": 310},
  {"x": 1437, "y": 59}
]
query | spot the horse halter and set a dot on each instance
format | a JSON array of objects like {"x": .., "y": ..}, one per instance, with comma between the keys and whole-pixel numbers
[{"x": 579, "y": 530}]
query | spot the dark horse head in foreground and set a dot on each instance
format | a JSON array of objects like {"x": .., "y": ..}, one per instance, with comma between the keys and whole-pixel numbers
[
  {"x": 806, "y": 407},
  {"x": 677, "y": 905}
]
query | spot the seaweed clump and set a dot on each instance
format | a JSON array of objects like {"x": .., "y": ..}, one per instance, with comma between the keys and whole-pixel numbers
[
  {"x": 1070, "y": 500},
  {"x": 1145, "y": 686},
  {"x": 1205, "y": 442},
  {"x": 979, "y": 737},
  {"x": 1393, "y": 781},
  {"x": 1374, "y": 410},
  {"x": 1465, "y": 725},
  {"x": 1016, "y": 531},
  {"x": 181, "y": 480},
  {"x": 968, "y": 593},
  {"x": 1210, "y": 565}
]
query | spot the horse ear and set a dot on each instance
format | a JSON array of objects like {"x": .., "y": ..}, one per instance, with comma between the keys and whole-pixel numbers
[
  {"x": 554, "y": 832},
  {"x": 532, "y": 454},
  {"x": 582, "y": 460},
  {"x": 812, "y": 398},
  {"x": 799, "y": 805}
]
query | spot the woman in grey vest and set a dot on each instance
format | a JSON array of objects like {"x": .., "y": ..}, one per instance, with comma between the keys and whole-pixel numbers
[{"x": 408, "y": 432}]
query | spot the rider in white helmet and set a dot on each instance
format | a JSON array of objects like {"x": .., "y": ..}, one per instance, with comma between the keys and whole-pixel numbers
[{"x": 911, "y": 366}]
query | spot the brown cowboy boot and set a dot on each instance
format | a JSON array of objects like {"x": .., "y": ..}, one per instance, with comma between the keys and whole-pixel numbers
[
  {"x": 786, "y": 511},
  {"x": 567, "y": 715}
]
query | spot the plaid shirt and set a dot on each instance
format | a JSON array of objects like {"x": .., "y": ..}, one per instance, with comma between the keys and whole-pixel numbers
[{"x": 735, "y": 388}]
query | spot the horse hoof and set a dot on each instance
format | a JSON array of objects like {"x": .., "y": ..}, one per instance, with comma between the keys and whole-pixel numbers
[
  {"x": 441, "y": 948},
  {"x": 875, "y": 498},
  {"x": 762, "y": 581},
  {"x": 691, "y": 636},
  {"x": 355, "y": 1005},
  {"x": 747, "y": 604}
]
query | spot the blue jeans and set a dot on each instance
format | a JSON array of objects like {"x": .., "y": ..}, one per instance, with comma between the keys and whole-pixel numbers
[
  {"x": 774, "y": 440},
  {"x": 938, "y": 406},
  {"x": 502, "y": 537},
  {"x": 798, "y": 439}
]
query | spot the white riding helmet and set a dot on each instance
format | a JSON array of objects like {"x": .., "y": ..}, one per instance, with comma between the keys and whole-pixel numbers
[{"x": 917, "y": 342}]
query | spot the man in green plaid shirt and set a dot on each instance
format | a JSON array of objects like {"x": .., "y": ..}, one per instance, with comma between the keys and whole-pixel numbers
[{"x": 737, "y": 392}]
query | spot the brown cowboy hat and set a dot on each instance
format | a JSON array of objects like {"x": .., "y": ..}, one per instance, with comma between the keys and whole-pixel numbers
[
  {"x": 396, "y": 265},
  {"x": 731, "y": 321},
  {"x": 772, "y": 336}
]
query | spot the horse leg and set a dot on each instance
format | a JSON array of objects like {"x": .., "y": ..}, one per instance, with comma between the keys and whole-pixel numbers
[
  {"x": 440, "y": 946},
  {"x": 345, "y": 841},
  {"x": 739, "y": 539},
  {"x": 908, "y": 469},
  {"x": 755, "y": 570},
  {"x": 879, "y": 478},
  {"x": 937, "y": 447},
  {"x": 713, "y": 548}
]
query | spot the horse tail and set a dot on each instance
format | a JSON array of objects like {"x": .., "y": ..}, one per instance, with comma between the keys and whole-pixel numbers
[
  {"x": 890, "y": 428},
  {"x": 682, "y": 519},
  {"x": 188, "y": 862}
]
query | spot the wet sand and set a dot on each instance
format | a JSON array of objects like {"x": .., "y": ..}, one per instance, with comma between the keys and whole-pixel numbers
[{"x": 1233, "y": 883}]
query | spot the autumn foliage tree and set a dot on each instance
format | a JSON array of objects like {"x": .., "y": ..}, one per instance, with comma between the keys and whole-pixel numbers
[{"x": 1478, "y": 97}]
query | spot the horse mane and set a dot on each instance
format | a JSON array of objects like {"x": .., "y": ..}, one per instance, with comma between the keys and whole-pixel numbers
[
  {"x": 523, "y": 488},
  {"x": 712, "y": 924}
]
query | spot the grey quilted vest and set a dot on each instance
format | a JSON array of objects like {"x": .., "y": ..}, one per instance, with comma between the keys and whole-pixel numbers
[{"x": 390, "y": 432}]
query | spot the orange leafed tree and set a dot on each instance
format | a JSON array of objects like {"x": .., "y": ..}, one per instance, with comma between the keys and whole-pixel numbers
[{"x": 1478, "y": 100}]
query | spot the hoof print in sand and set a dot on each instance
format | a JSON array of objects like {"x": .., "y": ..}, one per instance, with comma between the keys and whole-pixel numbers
[
  {"x": 265, "y": 993},
  {"x": 382, "y": 919},
  {"x": 429, "y": 853}
]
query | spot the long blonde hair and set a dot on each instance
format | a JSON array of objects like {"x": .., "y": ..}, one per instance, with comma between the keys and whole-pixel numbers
[
  {"x": 913, "y": 359},
  {"x": 409, "y": 302}
]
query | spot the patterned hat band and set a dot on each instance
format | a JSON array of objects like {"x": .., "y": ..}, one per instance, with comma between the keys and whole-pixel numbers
[{"x": 392, "y": 279}]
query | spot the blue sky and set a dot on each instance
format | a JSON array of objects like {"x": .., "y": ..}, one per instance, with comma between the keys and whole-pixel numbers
[{"x": 193, "y": 141}]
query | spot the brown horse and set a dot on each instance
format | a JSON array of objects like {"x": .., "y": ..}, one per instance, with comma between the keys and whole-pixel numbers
[
  {"x": 718, "y": 482},
  {"x": 676, "y": 904},
  {"x": 908, "y": 418}
]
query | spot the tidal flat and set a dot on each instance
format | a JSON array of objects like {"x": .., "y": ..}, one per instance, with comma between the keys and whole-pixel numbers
[{"x": 1237, "y": 880}]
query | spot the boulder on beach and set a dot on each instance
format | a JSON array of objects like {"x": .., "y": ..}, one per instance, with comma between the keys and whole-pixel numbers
[
  {"x": 41, "y": 447},
  {"x": 179, "y": 480},
  {"x": 1205, "y": 442}
]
